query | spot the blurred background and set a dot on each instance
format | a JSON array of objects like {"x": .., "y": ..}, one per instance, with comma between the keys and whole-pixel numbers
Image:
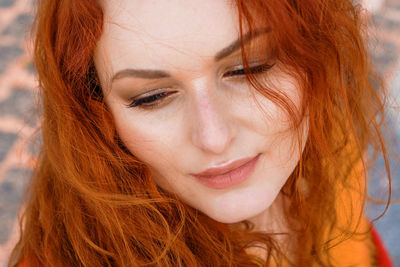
[{"x": 20, "y": 138}]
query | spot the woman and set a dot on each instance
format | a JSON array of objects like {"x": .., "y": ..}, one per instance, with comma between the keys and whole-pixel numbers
[{"x": 201, "y": 133}]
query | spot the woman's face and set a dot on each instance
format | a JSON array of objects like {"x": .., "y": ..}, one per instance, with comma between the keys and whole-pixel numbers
[{"x": 173, "y": 82}]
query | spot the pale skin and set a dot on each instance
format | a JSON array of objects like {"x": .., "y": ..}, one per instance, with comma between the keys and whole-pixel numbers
[{"x": 204, "y": 114}]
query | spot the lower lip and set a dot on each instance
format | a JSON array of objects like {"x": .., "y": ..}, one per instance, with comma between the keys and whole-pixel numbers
[{"x": 232, "y": 178}]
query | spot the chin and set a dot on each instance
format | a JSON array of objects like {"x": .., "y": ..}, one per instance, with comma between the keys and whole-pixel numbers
[
  {"x": 229, "y": 219},
  {"x": 234, "y": 212}
]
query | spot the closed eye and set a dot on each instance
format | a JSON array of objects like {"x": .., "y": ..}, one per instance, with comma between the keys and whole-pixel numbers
[
  {"x": 254, "y": 70},
  {"x": 155, "y": 100},
  {"x": 150, "y": 101}
]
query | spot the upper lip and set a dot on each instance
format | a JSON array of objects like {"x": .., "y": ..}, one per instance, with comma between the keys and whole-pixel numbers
[{"x": 214, "y": 171}]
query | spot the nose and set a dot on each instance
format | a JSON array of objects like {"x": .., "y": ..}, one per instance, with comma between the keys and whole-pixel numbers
[{"x": 213, "y": 127}]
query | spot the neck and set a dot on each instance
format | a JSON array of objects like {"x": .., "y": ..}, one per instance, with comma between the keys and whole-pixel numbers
[{"x": 272, "y": 220}]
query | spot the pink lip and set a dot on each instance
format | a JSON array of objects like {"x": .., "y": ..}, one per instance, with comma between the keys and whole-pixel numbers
[
  {"x": 224, "y": 169},
  {"x": 229, "y": 175}
]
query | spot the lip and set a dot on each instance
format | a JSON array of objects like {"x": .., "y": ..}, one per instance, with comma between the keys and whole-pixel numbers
[
  {"x": 228, "y": 175},
  {"x": 214, "y": 171}
]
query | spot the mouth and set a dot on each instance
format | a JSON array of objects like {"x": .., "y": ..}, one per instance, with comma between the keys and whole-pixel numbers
[
  {"x": 228, "y": 175},
  {"x": 222, "y": 169}
]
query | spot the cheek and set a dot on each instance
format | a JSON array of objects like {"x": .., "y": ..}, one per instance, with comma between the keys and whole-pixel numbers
[
  {"x": 272, "y": 108},
  {"x": 153, "y": 148},
  {"x": 284, "y": 144},
  {"x": 151, "y": 141}
]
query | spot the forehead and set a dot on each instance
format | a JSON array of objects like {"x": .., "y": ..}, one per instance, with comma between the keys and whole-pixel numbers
[{"x": 144, "y": 33}]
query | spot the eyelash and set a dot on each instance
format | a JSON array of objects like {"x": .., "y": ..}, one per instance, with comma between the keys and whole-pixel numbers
[
  {"x": 149, "y": 101},
  {"x": 153, "y": 101},
  {"x": 254, "y": 70}
]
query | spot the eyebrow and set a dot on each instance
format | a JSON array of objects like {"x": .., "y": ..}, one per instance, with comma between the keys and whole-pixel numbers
[{"x": 158, "y": 74}]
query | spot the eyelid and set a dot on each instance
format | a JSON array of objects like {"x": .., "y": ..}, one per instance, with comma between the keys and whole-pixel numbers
[
  {"x": 166, "y": 91},
  {"x": 258, "y": 64},
  {"x": 150, "y": 93},
  {"x": 154, "y": 102}
]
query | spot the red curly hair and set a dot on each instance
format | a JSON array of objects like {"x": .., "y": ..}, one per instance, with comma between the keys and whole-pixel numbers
[{"x": 93, "y": 203}]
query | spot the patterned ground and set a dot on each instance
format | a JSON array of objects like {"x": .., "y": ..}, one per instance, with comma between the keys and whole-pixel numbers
[{"x": 18, "y": 117}]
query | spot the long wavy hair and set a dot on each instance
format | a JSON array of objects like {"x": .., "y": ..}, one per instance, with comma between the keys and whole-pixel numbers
[{"x": 93, "y": 203}]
